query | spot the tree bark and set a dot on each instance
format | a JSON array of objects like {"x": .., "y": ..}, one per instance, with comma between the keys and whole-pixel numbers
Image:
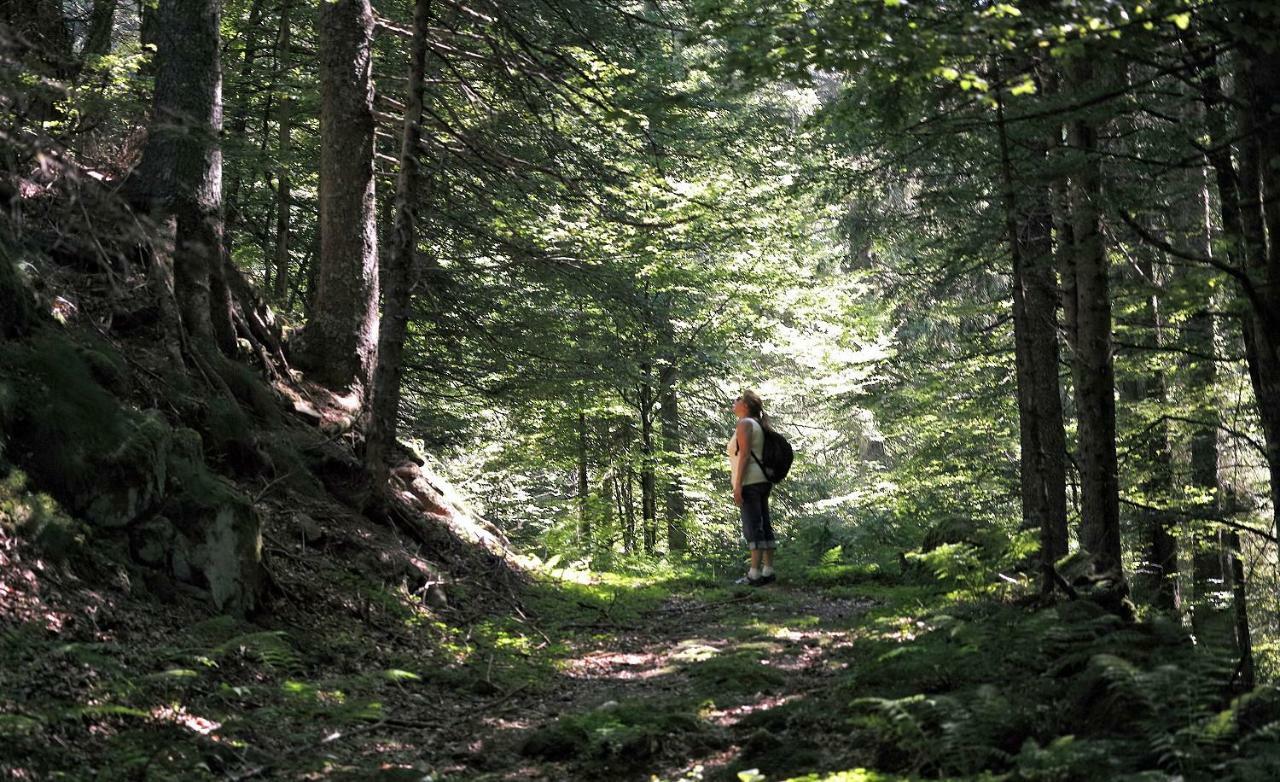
[
  {"x": 181, "y": 171},
  {"x": 669, "y": 399},
  {"x": 1221, "y": 614},
  {"x": 1158, "y": 573},
  {"x": 339, "y": 344},
  {"x": 1258, "y": 84},
  {"x": 1041, "y": 429},
  {"x": 648, "y": 473},
  {"x": 101, "y": 25},
  {"x": 1092, "y": 367},
  {"x": 398, "y": 292},
  {"x": 284, "y": 189},
  {"x": 584, "y": 487}
]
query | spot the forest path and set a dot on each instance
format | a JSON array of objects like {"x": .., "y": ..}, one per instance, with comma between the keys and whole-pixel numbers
[{"x": 681, "y": 684}]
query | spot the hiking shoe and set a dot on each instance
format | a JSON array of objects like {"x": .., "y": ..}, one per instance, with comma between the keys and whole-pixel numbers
[
  {"x": 769, "y": 579},
  {"x": 749, "y": 581}
]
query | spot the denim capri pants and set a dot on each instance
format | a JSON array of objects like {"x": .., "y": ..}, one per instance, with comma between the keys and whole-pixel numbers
[{"x": 756, "y": 526}]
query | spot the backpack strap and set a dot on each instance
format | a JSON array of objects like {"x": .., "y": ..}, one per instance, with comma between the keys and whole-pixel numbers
[{"x": 764, "y": 436}]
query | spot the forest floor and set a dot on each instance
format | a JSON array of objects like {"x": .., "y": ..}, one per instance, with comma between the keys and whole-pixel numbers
[
  {"x": 836, "y": 672},
  {"x": 833, "y": 673}
]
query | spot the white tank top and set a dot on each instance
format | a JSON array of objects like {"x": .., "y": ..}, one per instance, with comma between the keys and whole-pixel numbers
[{"x": 753, "y": 474}]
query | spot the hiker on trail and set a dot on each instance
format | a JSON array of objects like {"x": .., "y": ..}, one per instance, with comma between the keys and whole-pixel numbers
[{"x": 750, "y": 486}]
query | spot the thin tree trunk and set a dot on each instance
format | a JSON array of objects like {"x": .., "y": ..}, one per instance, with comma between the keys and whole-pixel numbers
[
  {"x": 1094, "y": 371},
  {"x": 1158, "y": 573},
  {"x": 1244, "y": 640},
  {"x": 398, "y": 292},
  {"x": 677, "y": 536},
  {"x": 584, "y": 487},
  {"x": 629, "y": 534},
  {"x": 1042, "y": 433},
  {"x": 339, "y": 344},
  {"x": 648, "y": 477},
  {"x": 239, "y": 120},
  {"x": 284, "y": 189}
]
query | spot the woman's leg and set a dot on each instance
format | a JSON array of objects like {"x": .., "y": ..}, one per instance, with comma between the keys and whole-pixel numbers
[
  {"x": 767, "y": 542},
  {"x": 752, "y": 514}
]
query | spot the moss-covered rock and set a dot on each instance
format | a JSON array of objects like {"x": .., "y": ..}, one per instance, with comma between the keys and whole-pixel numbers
[
  {"x": 102, "y": 461},
  {"x": 218, "y": 541},
  {"x": 116, "y": 468}
]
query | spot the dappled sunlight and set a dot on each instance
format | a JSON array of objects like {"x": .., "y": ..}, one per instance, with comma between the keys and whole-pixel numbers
[
  {"x": 732, "y": 715},
  {"x": 178, "y": 715},
  {"x": 622, "y": 666}
]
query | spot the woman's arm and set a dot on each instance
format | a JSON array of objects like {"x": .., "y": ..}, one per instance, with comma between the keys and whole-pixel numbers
[{"x": 744, "y": 459}]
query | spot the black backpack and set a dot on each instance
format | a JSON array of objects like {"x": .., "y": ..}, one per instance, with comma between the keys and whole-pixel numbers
[{"x": 776, "y": 462}]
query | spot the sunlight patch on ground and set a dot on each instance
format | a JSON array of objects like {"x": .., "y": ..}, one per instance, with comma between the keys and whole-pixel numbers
[
  {"x": 625, "y": 666},
  {"x": 179, "y": 715},
  {"x": 694, "y": 650}
]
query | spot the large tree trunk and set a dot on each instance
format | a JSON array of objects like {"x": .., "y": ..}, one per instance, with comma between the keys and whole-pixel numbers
[
  {"x": 1029, "y": 225},
  {"x": 180, "y": 176},
  {"x": 101, "y": 25},
  {"x": 1220, "y": 615},
  {"x": 339, "y": 343},
  {"x": 1094, "y": 372},
  {"x": 1258, "y": 83},
  {"x": 398, "y": 293}
]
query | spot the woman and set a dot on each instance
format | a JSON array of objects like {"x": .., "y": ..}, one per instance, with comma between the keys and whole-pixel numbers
[{"x": 751, "y": 488}]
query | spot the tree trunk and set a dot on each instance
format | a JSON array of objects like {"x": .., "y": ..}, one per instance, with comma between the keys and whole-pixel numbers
[
  {"x": 677, "y": 536},
  {"x": 284, "y": 189},
  {"x": 181, "y": 170},
  {"x": 339, "y": 343},
  {"x": 398, "y": 293},
  {"x": 239, "y": 120},
  {"x": 1041, "y": 429},
  {"x": 101, "y": 25},
  {"x": 1217, "y": 567},
  {"x": 1093, "y": 368},
  {"x": 1258, "y": 84},
  {"x": 1158, "y": 573},
  {"x": 584, "y": 487},
  {"x": 629, "y": 507},
  {"x": 1211, "y": 615},
  {"x": 648, "y": 477}
]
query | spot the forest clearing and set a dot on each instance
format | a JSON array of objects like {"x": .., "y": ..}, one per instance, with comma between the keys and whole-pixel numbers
[{"x": 409, "y": 390}]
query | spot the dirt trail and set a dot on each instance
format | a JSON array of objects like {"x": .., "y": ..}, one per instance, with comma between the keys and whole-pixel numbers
[{"x": 734, "y": 662}]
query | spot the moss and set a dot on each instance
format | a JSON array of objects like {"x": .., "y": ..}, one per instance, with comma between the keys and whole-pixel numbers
[
  {"x": 249, "y": 389},
  {"x": 107, "y": 366},
  {"x": 16, "y": 310},
  {"x": 739, "y": 673},
  {"x": 99, "y": 458},
  {"x": 614, "y": 735},
  {"x": 40, "y": 519}
]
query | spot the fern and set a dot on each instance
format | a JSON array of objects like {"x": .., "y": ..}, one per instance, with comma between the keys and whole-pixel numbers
[{"x": 272, "y": 648}]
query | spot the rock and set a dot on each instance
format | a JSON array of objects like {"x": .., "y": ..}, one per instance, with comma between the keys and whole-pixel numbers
[
  {"x": 220, "y": 549},
  {"x": 129, "y": 480},
  {"x": 152, "y": 541}
]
